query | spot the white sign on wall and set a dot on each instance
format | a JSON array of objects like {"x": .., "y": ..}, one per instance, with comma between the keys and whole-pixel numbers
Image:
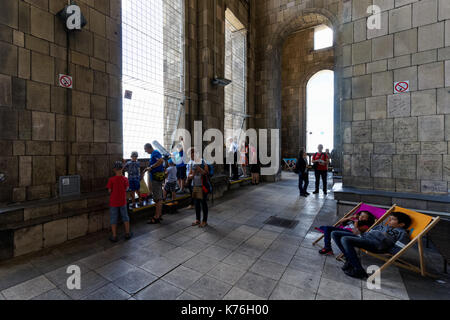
[{"x": 401, "y": 86}]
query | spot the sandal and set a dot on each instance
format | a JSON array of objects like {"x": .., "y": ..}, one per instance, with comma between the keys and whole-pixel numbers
[
  {"x": 203, "y": 225},
  {"x": 196, "y": 223},
  {"x": 128, "y": 236}
]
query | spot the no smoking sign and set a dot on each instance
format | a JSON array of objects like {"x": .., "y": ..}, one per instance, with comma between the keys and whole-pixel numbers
[
  {"x": 65, "y": 81},
  {"x": 401, "y": 86}
]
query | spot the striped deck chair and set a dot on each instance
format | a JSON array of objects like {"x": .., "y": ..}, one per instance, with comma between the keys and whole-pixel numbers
[
  {"x": 290, "y": 163},
  {"x": 378, "y": 213},
  {"x": 421, "y": 224}
]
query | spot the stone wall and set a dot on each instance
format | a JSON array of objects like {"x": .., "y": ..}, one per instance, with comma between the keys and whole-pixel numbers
[
  {"x": 206, "y": 100},
  {"x": 47, "y": 131},
  {"x": 275, "y": 21},
  {"x": 299, "y": 62},
  {"x": 397, "y": 142}
]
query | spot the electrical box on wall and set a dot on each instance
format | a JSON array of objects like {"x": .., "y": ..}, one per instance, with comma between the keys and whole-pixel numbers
[{"x": 69, "y": 186}]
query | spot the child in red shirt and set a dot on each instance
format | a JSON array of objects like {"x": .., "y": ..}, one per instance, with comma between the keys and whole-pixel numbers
[{"x": 117, "y": 187}]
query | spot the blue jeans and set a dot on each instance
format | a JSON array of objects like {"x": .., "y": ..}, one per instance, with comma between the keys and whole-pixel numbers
[
  {"x": 116, "y": 211},
  {"x": 327, "y": 230},
  {"x": 347, "y": 244},
  {"x": 303, "y": 182}
]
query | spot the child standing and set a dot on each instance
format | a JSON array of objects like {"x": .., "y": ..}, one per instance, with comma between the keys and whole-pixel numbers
[
  {"x": 171, "y": 182},
  {"x": 117, "y": 187},
  {"x": 133, "y": 167}
]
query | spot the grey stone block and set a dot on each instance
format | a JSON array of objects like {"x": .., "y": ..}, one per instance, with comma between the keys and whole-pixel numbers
[
  {"x": 423, "y": 103},
  {"x": 400, "y": 19},
  {"x": 361, "y": 131},
  {"x": 431, "y": 36},
  {"x": 405, "y": 42},
  {"x": 425, "y": 12},
  {"x": 382, "y": 83},
  {"x": 361, "y": 52},
  {"x": 431, "y": 76},
  {"x": 383, "y": 130},
  {"x": 28, "y": 240},
  {"x": 55, "y": 232},
  {"x": 431, "y": 128},
  {"x": 405, "y": 167},
  {"x": 359, "y": 110},
  {"x": 384, "y": 148},
  {"x": 399, "y": 105},
  {"x": 405, "y": 129},
  {"x": 429, "y": 167},
  {"x": 381, "y": 166},
  {"x": 406, "y": 185},
  {"x": 383, "y": 47},
  {"x": 407, "y": 74},
  {"x": 434, "y": 187},
  {"x": 77, "y": 226},
  {"x": 434, "y": 148},
  {"x": 361, "y": 165}
]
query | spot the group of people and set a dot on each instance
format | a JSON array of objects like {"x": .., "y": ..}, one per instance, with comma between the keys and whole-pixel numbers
[
  {"x": 320, "y": 162},
  {"x": 358, "y": 232},
  {"x": 164, "y": 174},
  {"x": 248, "y": 159}
]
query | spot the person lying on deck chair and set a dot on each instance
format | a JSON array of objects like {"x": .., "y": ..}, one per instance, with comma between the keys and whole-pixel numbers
[
  {"x": 356, "y": 225},
  {"x": 389, "y": 238}
]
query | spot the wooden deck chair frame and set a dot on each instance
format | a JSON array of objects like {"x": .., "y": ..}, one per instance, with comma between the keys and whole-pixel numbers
[
  {"x": 349, "y": 214},
  {"x": 395, "y": 259}
]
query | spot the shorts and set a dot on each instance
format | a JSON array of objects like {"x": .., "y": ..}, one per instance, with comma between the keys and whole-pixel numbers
[
  {"x": 135, "y": 184},
  {"x": 157, "y": 190},
  {"x": 170, "y": 187},
  {"x": 181, "y": 173},
  {"x": 114, "y": 214}
]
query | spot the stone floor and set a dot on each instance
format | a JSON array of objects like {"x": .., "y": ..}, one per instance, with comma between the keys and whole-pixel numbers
[{"x": 237, "y": 257}]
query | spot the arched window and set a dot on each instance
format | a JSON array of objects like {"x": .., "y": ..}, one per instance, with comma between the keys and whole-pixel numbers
[
  {"x": 320, "y": 111},
  {"x": 323, "y": 37}
]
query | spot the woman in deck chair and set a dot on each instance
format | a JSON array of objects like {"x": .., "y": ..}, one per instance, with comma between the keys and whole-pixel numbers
[
  {"x": 388, "y": 238},
  {"x": 353, "y": 226}
]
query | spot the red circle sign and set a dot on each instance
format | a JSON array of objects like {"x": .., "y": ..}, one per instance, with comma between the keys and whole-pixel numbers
[
  {"x": 65, "y": 81},
  {"x": 402, "y": 87}
]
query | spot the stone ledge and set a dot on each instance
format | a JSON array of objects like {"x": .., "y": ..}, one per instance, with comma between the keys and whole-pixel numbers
[{"x": 436, "y": 203}]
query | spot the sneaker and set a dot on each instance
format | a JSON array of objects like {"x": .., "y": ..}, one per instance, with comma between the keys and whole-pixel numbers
[
  {"x": 316, "y": 192},
  {"x": 326, "y": 251},
  {"x": 128, "y": 236}
]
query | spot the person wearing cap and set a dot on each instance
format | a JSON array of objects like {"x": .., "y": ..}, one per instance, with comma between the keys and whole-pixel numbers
[
  {"x": 117, "y": 188},
  {"x": 133, "y": 167},
  {"x": 171, "y": 181}
]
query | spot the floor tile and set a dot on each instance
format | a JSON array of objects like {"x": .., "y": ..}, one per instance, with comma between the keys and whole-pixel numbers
[
  {"x": 160, "y": 290},
  {"x": 209, "y": 288},
  {"x": 216, "y": 252},
  {"x": 201, "y": 263},
  {"x": 29, "y": 289},
  {"x": 90, "y": 282},
  {"x": 226, "y": 273},
  {"x": 187, "y": 297},
  {"x": 135, "y": 280},
  {"x": 54, "y": 294},
  {"x": 256, "y": 284},
  {"x": 60, "y": 275},
  {"x": 238, "y": 294},
  {"x": 278, "y": 257},
  {"x": 180, "y": 255},
  {"x": 239, "y": 260},
  {"x": 338, "y": 290},
  {"x": 160, "y": 266},
  {"x": 108, "y": 292},
  {"x": 115, "y": 270},
  {"x": 284, "y": 291},
  {"x": 268, "y": 269},
  {"x": 300, "y": 279},
  {"x": 182, "y": 277}
]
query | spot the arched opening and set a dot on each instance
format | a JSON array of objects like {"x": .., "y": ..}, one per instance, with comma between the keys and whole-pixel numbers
[{"x": 320, "y": 111}]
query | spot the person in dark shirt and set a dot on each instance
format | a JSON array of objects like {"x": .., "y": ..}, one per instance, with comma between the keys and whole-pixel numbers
[{"x": 301, "y": 168}]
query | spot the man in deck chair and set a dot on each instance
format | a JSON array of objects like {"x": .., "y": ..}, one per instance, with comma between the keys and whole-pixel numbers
[{"x": 389, "y": 238}]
